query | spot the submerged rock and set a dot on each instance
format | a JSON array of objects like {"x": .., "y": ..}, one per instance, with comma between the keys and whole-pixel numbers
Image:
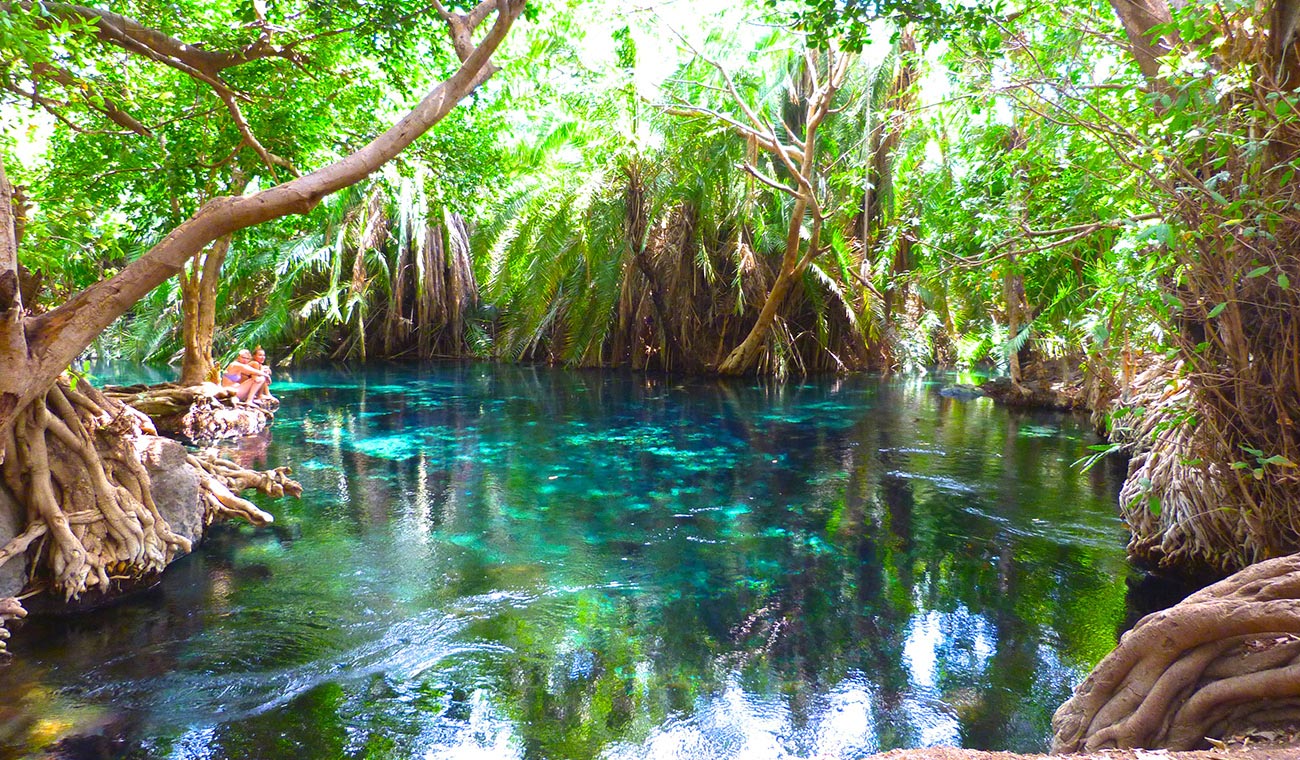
[
  {"x": 1037, "y": 394},
  {"x": 961, "y": 391}
]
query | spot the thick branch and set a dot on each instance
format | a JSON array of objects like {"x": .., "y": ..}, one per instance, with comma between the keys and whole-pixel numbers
[
  {"x": 58, "y": 336},
  {"x": 106, "y": 106},
  {"x": 463, "y": 25},
  {"x": 1139, "y": 17},
  {"x": 131, "y": 35}
]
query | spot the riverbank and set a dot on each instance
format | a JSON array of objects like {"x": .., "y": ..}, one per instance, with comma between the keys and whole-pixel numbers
[{"x": 1230, "y": 753}]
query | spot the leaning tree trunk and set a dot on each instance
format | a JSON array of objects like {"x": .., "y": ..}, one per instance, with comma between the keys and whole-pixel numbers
[
  {"x": 794, "y": 262},
  {"x": 1225, "y": 662},
  {"x": 67, "y": 452},
  {"x": 36, "y": 349}
]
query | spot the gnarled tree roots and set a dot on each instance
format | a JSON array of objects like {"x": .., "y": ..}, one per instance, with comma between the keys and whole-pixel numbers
[
  {"x": 1224, "y": 662},
  {"x": 74, "y": 459},
  {"x": 220, "y": 480},
  {"x": 201, "y": 413}
]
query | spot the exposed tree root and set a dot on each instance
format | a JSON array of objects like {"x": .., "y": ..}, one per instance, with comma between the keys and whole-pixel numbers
[
  {"x": 72, "y": 460},
  {"x": 220, "y": 480},
  {"x": 75, "y": 460},
  {"x": 1224, "y": 662},
  {"x": 201, "y": 413},
  {"x": 10, "y": 609}
]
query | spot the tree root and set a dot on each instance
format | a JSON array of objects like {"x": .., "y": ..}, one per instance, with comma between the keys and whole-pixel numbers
[
  {"x": 1223, "y": 662},
  {"x": 72, "y": 460},
  {"x": 200, "y": 413},
  {"x": 220, "y": 480},
  {"x": 10, "y": 609}
]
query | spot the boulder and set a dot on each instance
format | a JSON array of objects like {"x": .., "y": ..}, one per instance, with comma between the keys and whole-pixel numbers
[
  {"x": 13, "y": 574},
  {"x": 175, "y": 485}
]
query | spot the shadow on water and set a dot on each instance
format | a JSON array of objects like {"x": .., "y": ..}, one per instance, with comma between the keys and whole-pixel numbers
[{"x": 524, "y": 562}]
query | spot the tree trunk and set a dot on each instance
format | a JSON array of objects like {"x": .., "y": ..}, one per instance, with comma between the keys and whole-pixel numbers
[
  {"x": 1216, "y": 487},
  {"x": 1012, "y": 284},
  {"x": 199, "y": 313},
  {"x": 16, "y": 379},
  {"x": 744, "y": 356}
]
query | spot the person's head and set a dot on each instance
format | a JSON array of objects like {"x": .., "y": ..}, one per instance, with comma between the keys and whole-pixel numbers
[
  {"x": 259, "y": 355},
  {"x": 245, "y": 355}
]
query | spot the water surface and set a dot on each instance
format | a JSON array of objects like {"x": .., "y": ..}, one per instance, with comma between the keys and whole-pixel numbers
[{"x": 512, "y": 562}]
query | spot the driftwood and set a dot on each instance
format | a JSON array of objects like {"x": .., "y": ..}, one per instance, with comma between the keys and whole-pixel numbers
[
  {"x": 1223, "y": 663},
  {"x": 200, "y": 413}
]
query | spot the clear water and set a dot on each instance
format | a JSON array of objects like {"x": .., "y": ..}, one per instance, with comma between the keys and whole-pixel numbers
[{"x": 514, "y": 562}]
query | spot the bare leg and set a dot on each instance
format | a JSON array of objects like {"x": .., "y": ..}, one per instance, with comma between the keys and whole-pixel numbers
[{"x": 249, "y": 388}]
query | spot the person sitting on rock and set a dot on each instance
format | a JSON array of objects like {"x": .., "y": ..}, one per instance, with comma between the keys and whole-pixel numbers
[
  {"x": 248, "y": 380},
  {"x": 259, "y": 361}
]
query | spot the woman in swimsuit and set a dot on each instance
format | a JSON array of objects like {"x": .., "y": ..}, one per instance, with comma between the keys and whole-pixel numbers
[
  {"x": 249, "y": 380},
  {"x": 259, "y": 362}
]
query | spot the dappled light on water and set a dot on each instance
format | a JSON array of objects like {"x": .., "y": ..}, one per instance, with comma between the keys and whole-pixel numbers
[{"x": 515, "y": 562}]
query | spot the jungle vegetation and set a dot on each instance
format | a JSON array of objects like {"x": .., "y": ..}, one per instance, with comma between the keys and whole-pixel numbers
[{"x": 761, "y": 188}]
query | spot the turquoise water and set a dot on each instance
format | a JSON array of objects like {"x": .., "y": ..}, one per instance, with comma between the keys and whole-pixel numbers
[{"x": 517, "y": 562}]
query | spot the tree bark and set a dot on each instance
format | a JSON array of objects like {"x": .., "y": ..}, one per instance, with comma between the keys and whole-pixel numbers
[
  {"x": 13, "y": 339},
  {"x": 199, "y": 313},
  {"x": 743, "y": 357},
  {"x": 1139, "y": 17}
]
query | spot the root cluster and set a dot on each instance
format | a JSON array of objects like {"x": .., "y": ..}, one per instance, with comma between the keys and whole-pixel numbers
[
  {"x": 74, "y": 459},
  {"x": 71, "y": 458},
  {"x": 221, "y": 480},
  {"x": 1224, "y": 662},
  {"x": 202, "y": 413}
]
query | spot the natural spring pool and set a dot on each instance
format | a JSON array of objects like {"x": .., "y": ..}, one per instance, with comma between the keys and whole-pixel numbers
[{"x": 502, "y": 561}]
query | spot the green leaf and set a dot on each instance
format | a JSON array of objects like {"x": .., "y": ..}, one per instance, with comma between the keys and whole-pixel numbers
[
  {"x": 1153, "y": 504},
  {"x": 1258, "y": 272},
  {"x": 1279, "y": 460},
  {"x": 1283, "y": 281},
  {"x": 1217, "y": 310}
]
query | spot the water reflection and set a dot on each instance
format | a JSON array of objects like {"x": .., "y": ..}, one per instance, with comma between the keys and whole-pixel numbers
[{"x": 518, "y": 562}]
